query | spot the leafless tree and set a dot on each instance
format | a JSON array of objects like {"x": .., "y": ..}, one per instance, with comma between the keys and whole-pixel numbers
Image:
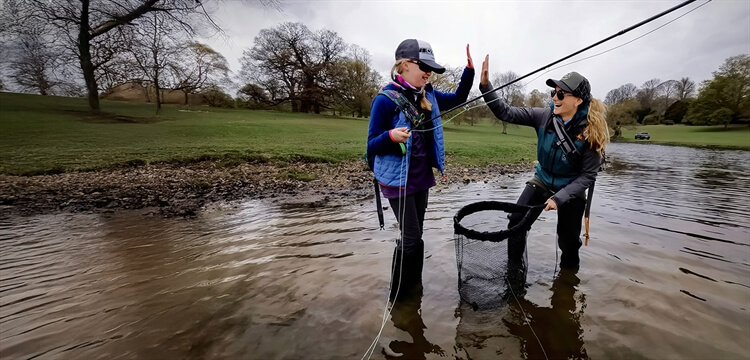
[
  {"x": 622, "y": 93},
  {"x": 685, "y": 88},
  {"x": 83, "y": 24},
  {"x": 34, "y": 61},
  {"x": 537, "y": 98},
  {"x": 198, "y": 66},
  {"x": 447, "y": 81},
  {"x": 511, "y": 95},
  {"x": 666, "y": 94},
  {"x": 295, "y": 65},
  {"x": 152, "y": 47},
  {"x": 648, "y": 93}
]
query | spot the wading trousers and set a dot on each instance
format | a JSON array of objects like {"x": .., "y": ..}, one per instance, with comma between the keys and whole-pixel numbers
[
  {"x": 569, "y": 221},
  {"x": 408, "y": 256}
]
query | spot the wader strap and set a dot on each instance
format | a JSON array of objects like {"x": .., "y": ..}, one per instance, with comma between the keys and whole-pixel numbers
[
  {"x": 563, "y": 139},
  {"x": 378, "y": 203}
]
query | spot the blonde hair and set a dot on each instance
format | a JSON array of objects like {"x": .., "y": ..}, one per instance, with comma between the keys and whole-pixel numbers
[
  {"x": 597, "y": 131},
  {"x": 397, "y": 69}
]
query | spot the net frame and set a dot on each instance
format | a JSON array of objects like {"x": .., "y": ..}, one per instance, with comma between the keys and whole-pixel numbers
[{"x": 481, "y": 256}]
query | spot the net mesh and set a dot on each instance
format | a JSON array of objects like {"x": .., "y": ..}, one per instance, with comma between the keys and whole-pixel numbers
[{"x": 480, "y": 238}]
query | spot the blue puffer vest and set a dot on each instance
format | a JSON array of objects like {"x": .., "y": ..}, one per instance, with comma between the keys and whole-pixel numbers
[{"x": 392, "y": 169}]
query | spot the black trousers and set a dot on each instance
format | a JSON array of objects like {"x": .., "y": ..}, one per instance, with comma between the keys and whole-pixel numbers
[
  {"x": 569, "y": 221},
  {"x": 408, "y": 256},
  {"x": 410, "y": 212}
]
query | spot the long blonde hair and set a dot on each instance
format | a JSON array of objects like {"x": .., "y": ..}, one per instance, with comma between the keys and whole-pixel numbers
[
  {"x": 597, "y": 131},
  {"x": 397, "y": 69}
]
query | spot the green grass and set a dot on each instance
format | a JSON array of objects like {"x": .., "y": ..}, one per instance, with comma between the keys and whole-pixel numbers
[
  {"x": 733, "y": 137},
  {"x": 44, "y": 134}
]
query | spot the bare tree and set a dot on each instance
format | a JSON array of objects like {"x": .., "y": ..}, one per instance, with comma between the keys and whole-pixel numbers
[
  {"x": 666, "y": 93},
  {"x": 298, "y": 63},
  {"x": 197, "y": 67},
  {"x": 447, "y": 81},
  {"x": 511, "y": 95},
  {"x": 536, "y": 99},
  {"x": 153, "y": 46},
  {"x": 685, "y": 88},
  {"x": 647, "y": 94},
  {"x": 34, "y": 61},
  {"x": 84, "y": 24},
  {"x": 614, "y": 96}
]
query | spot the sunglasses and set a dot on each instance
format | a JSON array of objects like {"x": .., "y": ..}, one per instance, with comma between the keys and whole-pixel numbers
[
  {"x": 422, "y": 66},
  {"x": 560, "y": 94}
]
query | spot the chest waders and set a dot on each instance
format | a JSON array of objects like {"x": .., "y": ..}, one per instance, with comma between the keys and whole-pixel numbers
[{"x": 566, "y": 143}]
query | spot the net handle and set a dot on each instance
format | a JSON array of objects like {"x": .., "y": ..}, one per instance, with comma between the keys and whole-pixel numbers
[{"x": 531, "y": 213}]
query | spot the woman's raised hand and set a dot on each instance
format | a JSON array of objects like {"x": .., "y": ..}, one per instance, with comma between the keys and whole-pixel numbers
[
  {"x": 485, "y": 76},
  {"x": 469, "y": 61}
]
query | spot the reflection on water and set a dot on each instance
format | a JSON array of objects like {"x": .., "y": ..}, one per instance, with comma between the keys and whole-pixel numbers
[{"x": 666, "y": 275}]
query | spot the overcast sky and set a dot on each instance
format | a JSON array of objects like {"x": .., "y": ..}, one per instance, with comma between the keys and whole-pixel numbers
[{"x": 521, "y": 36}]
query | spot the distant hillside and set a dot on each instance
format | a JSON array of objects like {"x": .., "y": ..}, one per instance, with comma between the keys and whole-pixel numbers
[{"x": 135, "y": 92}]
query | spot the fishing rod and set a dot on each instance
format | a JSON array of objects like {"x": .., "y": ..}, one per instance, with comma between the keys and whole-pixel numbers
[{"x": 621, "y": 32}]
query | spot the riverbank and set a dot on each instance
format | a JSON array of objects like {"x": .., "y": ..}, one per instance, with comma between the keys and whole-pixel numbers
[{"x": 182, "y": 190}]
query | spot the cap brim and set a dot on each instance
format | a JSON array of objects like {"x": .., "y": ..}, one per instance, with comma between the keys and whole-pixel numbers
[
  {"x": 433, "y": 66},
  {"x": 557, "y": 83}
]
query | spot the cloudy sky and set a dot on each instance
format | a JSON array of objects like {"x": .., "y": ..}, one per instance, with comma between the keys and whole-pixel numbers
[{"x": 521, "y": 36}]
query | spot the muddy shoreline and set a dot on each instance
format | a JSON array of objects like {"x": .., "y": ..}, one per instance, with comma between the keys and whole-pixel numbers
[{"x": 183, "y": 190}]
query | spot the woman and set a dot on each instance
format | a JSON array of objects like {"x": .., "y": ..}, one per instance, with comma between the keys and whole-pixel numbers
[
  {"x": 403, "y": 159},
  {"x": 566, "y": 168}
]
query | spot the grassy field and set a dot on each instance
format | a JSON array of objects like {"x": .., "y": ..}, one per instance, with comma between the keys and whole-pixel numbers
[
  {"x": 42, "y": 134},
  {"x": 53, "y": 134},
  {"x": 733, "y": 137}
]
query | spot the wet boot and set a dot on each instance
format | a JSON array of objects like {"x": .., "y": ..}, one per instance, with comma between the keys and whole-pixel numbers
[
  {"x": 397, "y": 277},
  {"x": 410, "y": 269},
  {"x": 416, "y": 265},
  {"x": 516, "y": 271},
  {"x": 569, "y": 258}
]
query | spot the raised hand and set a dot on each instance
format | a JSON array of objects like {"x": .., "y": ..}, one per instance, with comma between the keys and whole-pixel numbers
[
  {"x": 485, "y": 77},
  {"x": 469, "y": 61}
]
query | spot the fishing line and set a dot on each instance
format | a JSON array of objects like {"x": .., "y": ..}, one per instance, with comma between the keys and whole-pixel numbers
[
  {"x": 621, "y": 32},
  {"x": 526, "y": 320},
  {"x": 619, "y": 46},
  {"x": 401, "y": 211}
]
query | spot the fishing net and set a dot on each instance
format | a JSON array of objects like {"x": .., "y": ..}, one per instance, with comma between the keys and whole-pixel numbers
[{"x": 480, "y": 234}]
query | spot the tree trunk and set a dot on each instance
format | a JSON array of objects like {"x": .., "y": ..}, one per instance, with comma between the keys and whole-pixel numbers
[
  {"x": 157, "y": 91},
  {"x": 186, "y": 96},
  {"x": 505, "y": 125},
  {"x": 84, "y": 49}
]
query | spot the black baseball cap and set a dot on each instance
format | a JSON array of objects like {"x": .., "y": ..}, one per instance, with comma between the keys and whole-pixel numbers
[
  {"x": 421, "y": 51},
  {"x": 573, "y": 83}
]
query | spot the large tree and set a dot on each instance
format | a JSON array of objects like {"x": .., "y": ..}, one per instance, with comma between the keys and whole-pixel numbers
[
  {"x": 357, "y": 83},
  {"x": 295, "y": 65},
  {"x": 33, "y": 61},
  {"x": 685, "y": 88},
  {"x": 198, "y": 67},
  {"x": 152, "y": 48},
  {"x": 726, "y": 97}
]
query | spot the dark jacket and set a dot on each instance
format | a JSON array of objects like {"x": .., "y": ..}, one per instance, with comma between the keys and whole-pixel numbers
[{"x": 566, "y": 176}]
